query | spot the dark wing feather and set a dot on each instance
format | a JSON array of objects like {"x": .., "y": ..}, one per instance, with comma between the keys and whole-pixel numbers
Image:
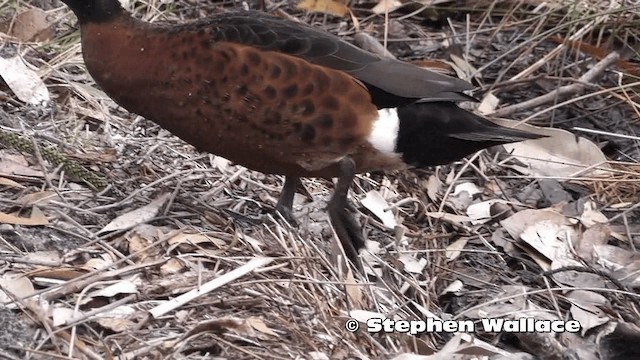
[{"x": 403, "y": 81}]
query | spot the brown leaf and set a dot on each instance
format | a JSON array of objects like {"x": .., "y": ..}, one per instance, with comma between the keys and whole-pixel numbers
[
  {"x": 330, "y": 7},
  {"x": 386, "y": 6},
  {"x": 32, "y": 25},
  {"x": 37, "y": 218},
  {"x": 40, "y": 197},
  {"x": 259, "y": 325},
  {"x": 10, "y": 183}
]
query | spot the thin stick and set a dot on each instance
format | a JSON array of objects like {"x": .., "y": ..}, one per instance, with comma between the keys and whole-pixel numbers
[
  {"x": 174, "y": 303},
  {"x": 562, "y": 91}
]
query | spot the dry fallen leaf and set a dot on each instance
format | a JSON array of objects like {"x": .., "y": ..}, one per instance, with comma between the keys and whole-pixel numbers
[
  {"x": 37, "y": 218},
  {"x": 172, "y": 266},
  {"x": 385, "y": 6},
  {"x": 331, "y": 7},
  {"x": 411, "y": 264},
  {"x": 13, "y": 165},
  {"x": 455, "y": 248},
  {"x": 377, "y": 205},
  {"x": 454, "y": 288},
  {"x": 117, "y": 319},
  {"x": 489, "y": 103},
  {"x": 518, "y": 222},
  {"x": 462, "y": 67},
  {"x": 588, "y": 320},
  {"x": 481, "y": 212},
  {"x": 561, "y": 154},
  {"x": 121, "y": 287},
  {"x": 137, "y": 216},
  {"x": 32, "y": 25},
  {"x": 10, "y": 183},
  {"x": 433, "y": 185},
  {"x": 590, "y": 216},
  {"x": 40, "y": 197},
  {"x": 353, "y": 290},
  {"x": 24, "y": 82},
  {"x": 186, "y": 238},
  {"x": 596, "y": 235},
  {"x": 14, "y": 285},
  {"x": 259, "y": 325}
]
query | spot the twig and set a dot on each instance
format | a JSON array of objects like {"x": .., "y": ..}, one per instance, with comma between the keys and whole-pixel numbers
[
  {"x": 170, "y": 305},
  {"x": 600, "y": 132},
  {"x": 562, "y": 91}
]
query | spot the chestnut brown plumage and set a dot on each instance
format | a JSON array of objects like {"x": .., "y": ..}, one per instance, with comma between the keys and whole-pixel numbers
[{"x": 282, "y": 98}]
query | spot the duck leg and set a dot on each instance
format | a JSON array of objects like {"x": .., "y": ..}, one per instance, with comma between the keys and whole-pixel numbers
[
  {"x": 285, "y": 202},
  {"x": 343, "y": 223}
]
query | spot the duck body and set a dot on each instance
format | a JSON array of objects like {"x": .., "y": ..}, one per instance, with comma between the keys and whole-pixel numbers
[
  {"x": 282, "y": 98},
  {"x": 266, "y": 110}
]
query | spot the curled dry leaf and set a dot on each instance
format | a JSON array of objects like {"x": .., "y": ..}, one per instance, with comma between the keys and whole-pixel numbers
[
  {"x": 468, "y": 187},
  {"x": 186, "y": 238},
  {"x": 117, "y": 325},
  {"x": 462, "y": 67}
]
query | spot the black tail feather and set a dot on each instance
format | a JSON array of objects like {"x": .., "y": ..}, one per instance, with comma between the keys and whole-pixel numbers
[{"x": 436, "y": 133}]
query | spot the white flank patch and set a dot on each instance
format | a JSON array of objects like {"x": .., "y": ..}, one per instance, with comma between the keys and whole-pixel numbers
[{"x": 384, "y": 133}]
